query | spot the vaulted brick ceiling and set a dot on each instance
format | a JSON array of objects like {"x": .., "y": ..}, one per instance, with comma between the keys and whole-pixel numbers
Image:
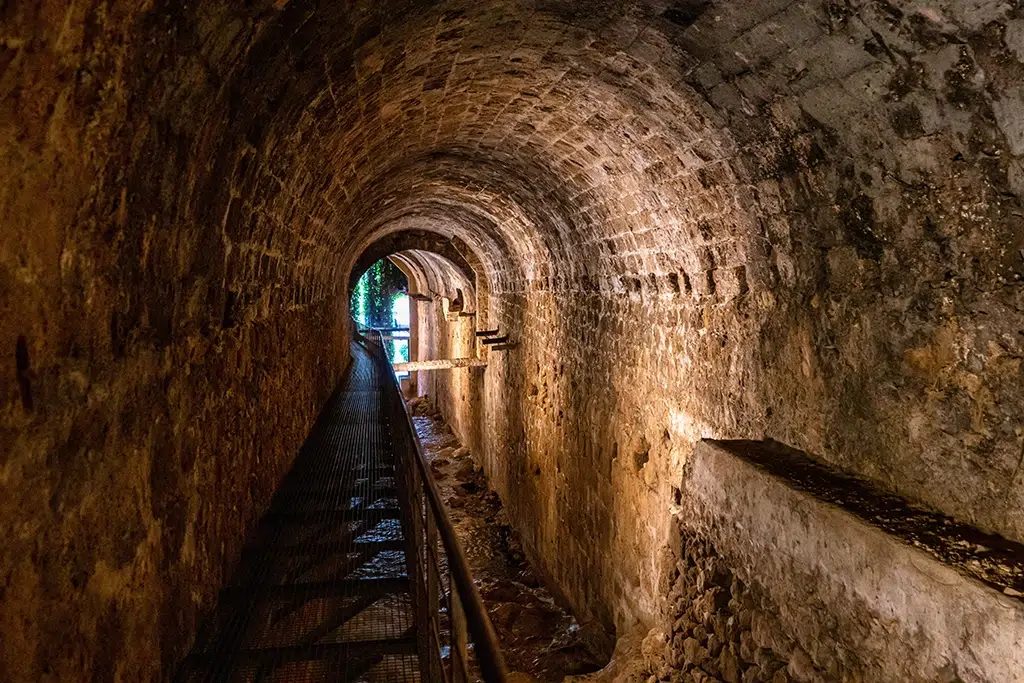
[
  {"x": 613, "y": 145},
  {"x": 794, "y": 219}
]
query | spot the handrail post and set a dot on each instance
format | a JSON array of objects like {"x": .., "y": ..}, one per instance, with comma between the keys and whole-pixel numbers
[
  {"x": 433, "y": 597},
  {"x": 422, "y": 572},
  {"x": 460, "y": 663}
]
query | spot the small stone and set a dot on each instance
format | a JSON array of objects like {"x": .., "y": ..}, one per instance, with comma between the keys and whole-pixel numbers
[
  {"x": 465, "y": 470},
  {"x": 747, "y": 647},
  {"x": 694, "y": 654},
  {"x": 720, "y": 625},
  {"x": 676, "y": 658},
  {"x": 752, "y": 674},
  {"x": 653, "y": 648},
  {"x": 801, "y": 667},
  {"x": 730, "y": 666},
  {"x": 767, "y": 663}
]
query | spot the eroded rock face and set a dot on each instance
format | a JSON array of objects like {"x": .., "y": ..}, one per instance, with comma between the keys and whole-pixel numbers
[
  {"x": 716, "y": 628},
  {"x": 799, "y": 220}
]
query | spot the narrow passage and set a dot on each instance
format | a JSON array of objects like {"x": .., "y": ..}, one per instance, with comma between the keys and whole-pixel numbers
[
  {"x": 322, "y": 590},
  {"x": 538, "y": 636}
]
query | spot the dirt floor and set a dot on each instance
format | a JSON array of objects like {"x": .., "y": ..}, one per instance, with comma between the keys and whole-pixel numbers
[{"x": 539, "y": 637}]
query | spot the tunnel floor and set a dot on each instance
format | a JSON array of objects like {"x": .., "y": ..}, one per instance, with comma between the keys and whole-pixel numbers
[
  {"x": 322, "y": 589},
  {"x": 539, "y": 636}
]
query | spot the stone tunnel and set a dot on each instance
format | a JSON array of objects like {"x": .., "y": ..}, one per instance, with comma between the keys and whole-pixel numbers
[{"x": 761, "y": 262}]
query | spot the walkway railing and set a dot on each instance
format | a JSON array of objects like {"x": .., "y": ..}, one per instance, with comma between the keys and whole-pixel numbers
[{"x": 450, "y": 612}]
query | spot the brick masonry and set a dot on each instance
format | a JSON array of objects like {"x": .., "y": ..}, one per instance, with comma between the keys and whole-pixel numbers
[{"x": 800, "y": 220}]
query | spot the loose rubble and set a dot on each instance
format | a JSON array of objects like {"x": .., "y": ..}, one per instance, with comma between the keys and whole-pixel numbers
[
  {"x": 719, "y": 631},
  {"x": 540, "y": 639}
]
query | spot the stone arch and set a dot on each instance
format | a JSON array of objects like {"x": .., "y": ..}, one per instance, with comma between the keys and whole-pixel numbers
[
  {"x": 412, "y": 240},
  {"x": 805, "y": 216}
]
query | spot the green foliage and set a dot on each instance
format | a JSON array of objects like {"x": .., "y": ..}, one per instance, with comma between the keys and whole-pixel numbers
[
  {"x": 401, "y": 351},
  {"x": 374, "y": 300},
  {"x": 375, "y": 294}
]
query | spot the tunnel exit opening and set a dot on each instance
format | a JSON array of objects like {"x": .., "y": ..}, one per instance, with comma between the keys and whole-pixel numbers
[{"x": 380, "y": 300}]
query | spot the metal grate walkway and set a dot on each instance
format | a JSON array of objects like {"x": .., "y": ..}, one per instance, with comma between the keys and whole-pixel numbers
[{"x": 322, "y": 592}]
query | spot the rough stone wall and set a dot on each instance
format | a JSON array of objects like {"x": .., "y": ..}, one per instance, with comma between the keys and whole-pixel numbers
[
  {"x": 851, "y": 285},
  {"x": 869, "y": 587},
  {"x": 799, "y": 219},
  {"x": 170, "y": 335},
  {"x": 458, "y": 392},
  {"x": 721, "y": 629}
]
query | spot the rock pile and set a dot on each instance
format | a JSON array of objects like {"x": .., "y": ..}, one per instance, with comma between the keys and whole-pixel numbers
[{"x": 722, "y": 629}]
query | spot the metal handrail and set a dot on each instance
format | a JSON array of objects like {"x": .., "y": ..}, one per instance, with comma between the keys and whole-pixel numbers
[{"x": 465, "y": 597}]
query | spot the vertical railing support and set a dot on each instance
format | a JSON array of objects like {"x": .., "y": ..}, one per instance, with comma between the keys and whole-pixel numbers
[
  {"x": 425, "y": 614},
  {"x": 433, "y": 597},
  {"x": 460, "y": 663}
]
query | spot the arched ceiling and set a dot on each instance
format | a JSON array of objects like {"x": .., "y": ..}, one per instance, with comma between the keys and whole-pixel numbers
[
  {"x": 430, "y": 245},
  {"x": 586, "y": 142},
  {"x": 602, "y": 146},
  {"x": 543, "y": 134},
  {"x": 432, "y": 275}
]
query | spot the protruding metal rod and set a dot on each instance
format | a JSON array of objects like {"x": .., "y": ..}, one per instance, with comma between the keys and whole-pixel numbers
[
  {"x": 386, "y": 330},
  {"x": 486, "y": 333},
  {"x": 495, "y": 340}
]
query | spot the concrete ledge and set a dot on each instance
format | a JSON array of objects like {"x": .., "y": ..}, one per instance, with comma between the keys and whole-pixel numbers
[{"x": 871, "y": 588}]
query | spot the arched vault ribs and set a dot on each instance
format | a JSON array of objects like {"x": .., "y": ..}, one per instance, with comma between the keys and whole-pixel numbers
[{"x": 447, "y": 248}]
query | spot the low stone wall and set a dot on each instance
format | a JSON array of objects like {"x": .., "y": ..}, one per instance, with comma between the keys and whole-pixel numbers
[
  {"x": 788, "y": 571},
  {"x": 721, "y": 629}
]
